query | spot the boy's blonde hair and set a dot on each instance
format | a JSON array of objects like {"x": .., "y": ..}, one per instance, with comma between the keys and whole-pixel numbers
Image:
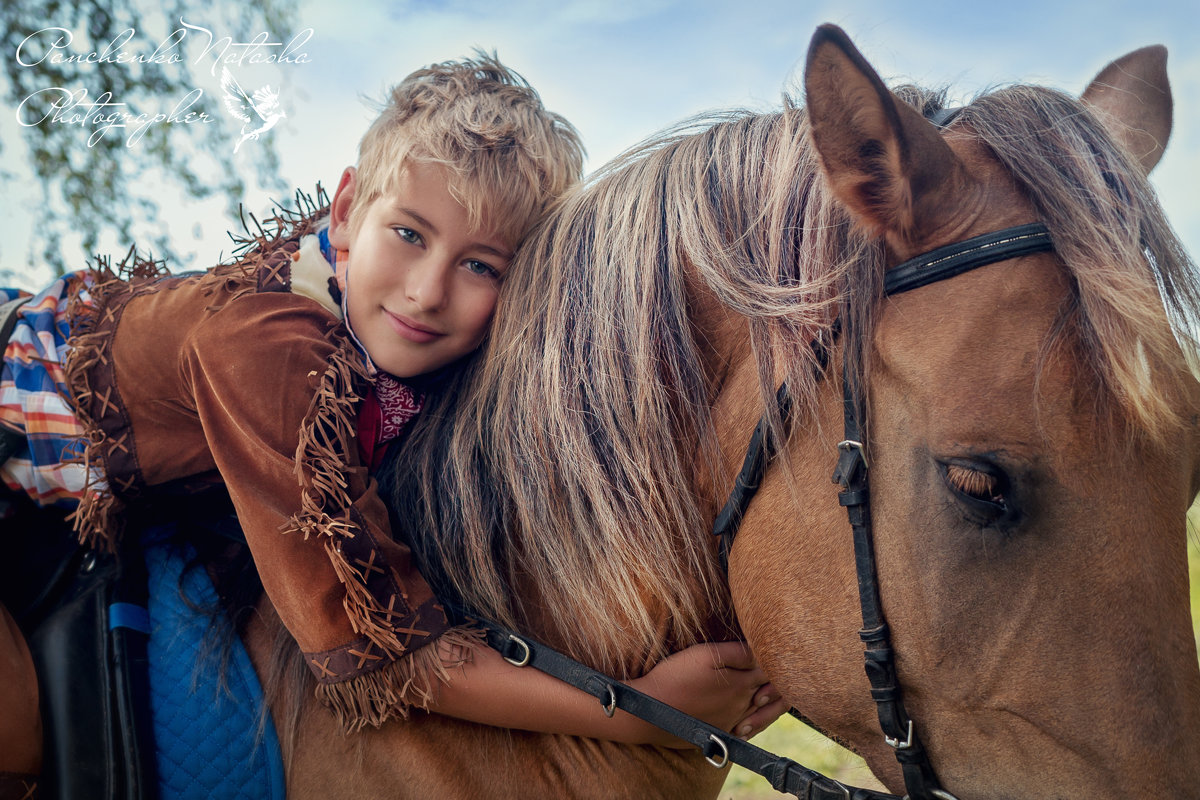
[{"x": 508, "y": 157}]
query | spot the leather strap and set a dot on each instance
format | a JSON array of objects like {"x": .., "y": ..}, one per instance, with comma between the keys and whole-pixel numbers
[
  {"x": 898, "y": 728},
  {"x": 719, "y": 747},
  {"x": 955, "y": 259},
  {"x": 944, "y": 116},
  {"x": 758, "y": 455},
  {"x": 745, "y": 485}
]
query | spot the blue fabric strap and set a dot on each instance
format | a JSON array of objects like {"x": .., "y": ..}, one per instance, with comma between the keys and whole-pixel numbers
[{"x": 129, "y": 615}]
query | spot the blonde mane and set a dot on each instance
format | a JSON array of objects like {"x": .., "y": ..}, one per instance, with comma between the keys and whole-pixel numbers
[
  {"x": 1125, "y": 261},
  {"x": 553, "y": 483}
]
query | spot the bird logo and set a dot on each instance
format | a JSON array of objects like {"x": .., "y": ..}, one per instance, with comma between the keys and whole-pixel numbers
[{"x": 258, "y": 113}]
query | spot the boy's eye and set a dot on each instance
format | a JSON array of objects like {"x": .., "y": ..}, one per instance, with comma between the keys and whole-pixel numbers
[
  {"x": 408, "y": 235},
  {"x": 480, "y": 268}
]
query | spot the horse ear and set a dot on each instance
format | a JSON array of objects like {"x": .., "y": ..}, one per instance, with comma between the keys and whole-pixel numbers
[
  {"x": 882, "y": 158},
  {"x": 1133, "y": 97}
]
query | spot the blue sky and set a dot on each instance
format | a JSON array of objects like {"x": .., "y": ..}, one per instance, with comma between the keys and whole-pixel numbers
[{"x": 621, "y": 71}]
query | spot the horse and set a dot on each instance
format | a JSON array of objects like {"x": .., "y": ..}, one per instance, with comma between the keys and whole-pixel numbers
[{"x": 1031, "y": 426}]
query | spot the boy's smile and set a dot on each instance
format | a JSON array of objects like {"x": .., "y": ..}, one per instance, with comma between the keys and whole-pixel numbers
[
  {"x": 410, "y": 329},
  {"x": 421, "y": 286}
]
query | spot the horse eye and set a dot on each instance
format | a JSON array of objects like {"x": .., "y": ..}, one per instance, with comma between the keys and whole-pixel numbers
[
  {"x": 972, "y": 482},
  {"x": 981, "y": 490}
]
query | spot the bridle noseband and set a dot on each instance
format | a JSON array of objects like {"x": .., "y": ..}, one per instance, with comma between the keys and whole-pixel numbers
[{"x": 899, "y": 730}]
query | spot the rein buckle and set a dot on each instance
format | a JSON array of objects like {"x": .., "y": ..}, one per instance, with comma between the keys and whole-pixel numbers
[
  {"x": 721, "y": 758},
  {"x": 523, "y": 659},
  {"x": 853, "y": 458},
  {"x": 897, "y": 744}
]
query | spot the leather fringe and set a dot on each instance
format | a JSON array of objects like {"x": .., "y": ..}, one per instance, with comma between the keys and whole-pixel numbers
[
  {"x": 98, "y": 519},
  {"x": 326, "y": 435},
  {"x": 367, "y": 615},
  {"x": 396, "y": 688},
  {"x": 283, "y": 223}
]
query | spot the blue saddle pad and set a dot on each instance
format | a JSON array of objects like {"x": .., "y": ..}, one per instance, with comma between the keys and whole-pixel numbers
[{"x": 210, "y": 740}]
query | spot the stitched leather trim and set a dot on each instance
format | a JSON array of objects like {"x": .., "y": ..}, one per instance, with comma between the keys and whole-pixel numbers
[{"x": 362, "y": 656}]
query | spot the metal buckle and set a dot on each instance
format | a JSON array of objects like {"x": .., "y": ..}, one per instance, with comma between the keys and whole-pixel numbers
[
  {"x": 781, "y": 771},
  {"x": 897, "y": 744},
  {"x": 846, "y": 445},
  {"x": 724, "y": 759},
  {"x": 524, "y": 660},
  {"x": 826, "y": 780},
  {"x": 610, "y": 707}
]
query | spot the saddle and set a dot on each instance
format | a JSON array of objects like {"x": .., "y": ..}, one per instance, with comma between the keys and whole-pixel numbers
[{"x": 131, "y": 708}]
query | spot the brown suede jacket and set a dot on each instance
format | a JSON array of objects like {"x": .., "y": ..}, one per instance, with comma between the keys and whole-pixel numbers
[{"x": 248, "y": 371}]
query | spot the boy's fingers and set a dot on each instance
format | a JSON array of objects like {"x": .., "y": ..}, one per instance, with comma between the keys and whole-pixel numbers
[
  {"x": 765, "y": 694},
  {"x": 733, "y": 655},
  {"x": 757, "y": 721}
]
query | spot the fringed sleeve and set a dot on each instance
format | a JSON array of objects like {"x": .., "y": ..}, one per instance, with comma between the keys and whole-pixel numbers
[{"x": 277, "y": 384}]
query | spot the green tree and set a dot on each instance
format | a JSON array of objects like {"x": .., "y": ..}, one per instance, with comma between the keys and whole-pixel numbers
[{"x": 94, "y": 182}]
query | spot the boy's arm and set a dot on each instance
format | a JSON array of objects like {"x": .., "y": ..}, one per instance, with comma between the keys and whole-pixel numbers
[
  {"x": 719, "y": 683},
  {"x": 265, "y": 373}
]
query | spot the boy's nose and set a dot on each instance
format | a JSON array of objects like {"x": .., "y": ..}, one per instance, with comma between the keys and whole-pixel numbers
[{"x": 428, "y": 285}]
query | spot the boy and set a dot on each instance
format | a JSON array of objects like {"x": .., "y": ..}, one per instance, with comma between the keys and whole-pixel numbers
[{"x": 277, "y": 376}]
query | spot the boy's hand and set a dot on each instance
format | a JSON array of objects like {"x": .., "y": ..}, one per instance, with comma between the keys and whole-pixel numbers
[{"x": 719, "y": 683}]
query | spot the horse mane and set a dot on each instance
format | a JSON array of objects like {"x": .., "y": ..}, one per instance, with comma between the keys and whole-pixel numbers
[
  {"x": 1125, "y": 262},
  {"x": 554, "y": 480},
  {"x": 564, "y": 468}
]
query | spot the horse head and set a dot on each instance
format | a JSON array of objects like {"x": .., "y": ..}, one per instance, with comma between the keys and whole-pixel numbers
[{"x": 1031, "y": 436}]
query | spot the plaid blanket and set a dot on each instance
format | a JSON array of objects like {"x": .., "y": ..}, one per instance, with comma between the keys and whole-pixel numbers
[{"x": 33, "y": 398}]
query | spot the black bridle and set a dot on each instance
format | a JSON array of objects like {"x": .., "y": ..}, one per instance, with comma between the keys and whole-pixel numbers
[
  {"x": 851, "y": 473},
  {"x": 899, "y": 730}
]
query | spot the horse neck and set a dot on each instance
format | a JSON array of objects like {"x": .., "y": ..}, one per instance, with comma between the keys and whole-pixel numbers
[{"x": 723, "y": 340}]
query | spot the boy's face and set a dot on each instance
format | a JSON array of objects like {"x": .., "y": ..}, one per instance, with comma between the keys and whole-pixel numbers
[{"x": 422, "y": 286}]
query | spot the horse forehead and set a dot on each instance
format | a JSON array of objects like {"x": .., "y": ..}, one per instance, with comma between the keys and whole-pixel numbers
[
  {"x": 988, "y": 316},
  {"x": 991, "y": 317},
  {"x": 968, "y": 358}
]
